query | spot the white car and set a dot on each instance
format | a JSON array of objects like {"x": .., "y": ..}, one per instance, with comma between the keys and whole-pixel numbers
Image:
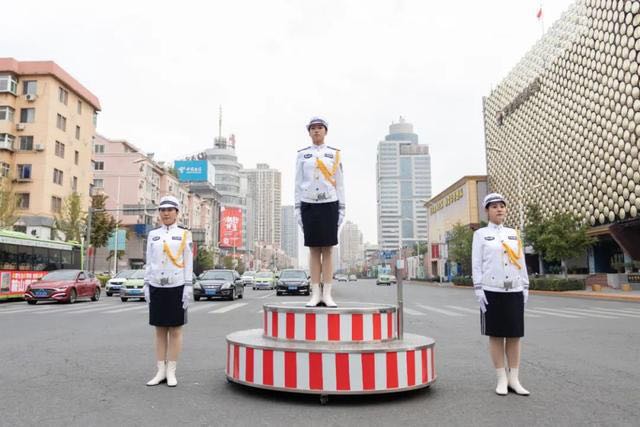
[
  {"x": 115, "y": 283},
  {"x": 249, "y": 278}
]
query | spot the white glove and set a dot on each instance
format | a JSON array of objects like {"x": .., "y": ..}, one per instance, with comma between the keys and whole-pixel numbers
[
  {"x": 481, "y": 297},
  {"x": 187, "y": 295},
  {"x": 525, "y": 294},
  {"x": 298, "y": 217},
  {"x": 147, "y": 294},
  {"x": 340, "y": 217}
]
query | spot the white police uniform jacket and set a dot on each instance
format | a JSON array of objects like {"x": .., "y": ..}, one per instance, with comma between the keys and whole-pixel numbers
[
  {"x": 313, "y": 185},
  {"x": 498, "y": 262},
  {"x": 169, "y": 257}
]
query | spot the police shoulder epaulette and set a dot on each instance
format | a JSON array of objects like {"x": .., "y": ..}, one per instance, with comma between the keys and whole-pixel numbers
[
  {"x": 305, "y": 148},
  {"x": 333, "y": 148}
]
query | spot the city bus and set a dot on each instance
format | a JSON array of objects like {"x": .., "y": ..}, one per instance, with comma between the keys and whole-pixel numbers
[{"x": 25, "y": 259}]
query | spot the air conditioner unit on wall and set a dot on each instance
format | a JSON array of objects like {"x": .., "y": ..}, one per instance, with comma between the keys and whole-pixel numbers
[
  {"x": 38, "y": 147},
  {"x": 19, "y": 126},
  {"x": 31, "y": 97}
]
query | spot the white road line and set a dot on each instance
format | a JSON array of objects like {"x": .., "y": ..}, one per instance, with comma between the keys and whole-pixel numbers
[
  {"x": 120, "y": 310},
  {"x": 550, "y": 313},
  {"x": 621, "y": 310},
  {"x": 441, "y": 311},
  {"x": 587, "y": 313},
  {"x": 73, "y": 308},
  {"x": 266, "y": 296},
  {"x": 228, "y": 308},
  {"x": 94, "y": 309},
  {"x": 22, "y": 310},
  {"x": 413, "y": 312},
  {"x": 199, "y": 306},
  {"x": 616, "y": 313},
  {"x": 465, "y": 309}
]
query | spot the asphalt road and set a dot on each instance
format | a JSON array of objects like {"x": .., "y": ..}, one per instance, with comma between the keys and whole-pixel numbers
[{"x": 87, "y": 364}]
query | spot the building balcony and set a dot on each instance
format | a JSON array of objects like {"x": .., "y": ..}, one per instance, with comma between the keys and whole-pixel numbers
[{"x": 6, "y": 145}]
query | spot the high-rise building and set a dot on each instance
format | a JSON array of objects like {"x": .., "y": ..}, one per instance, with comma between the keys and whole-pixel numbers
[
  {"x": 350, "y": 247},
  {"x": 403, "y": 174},
  {"x": 47, "y": 125},
  {"x": 264, "y": 189},
  {"x": 289, "y": 233}
]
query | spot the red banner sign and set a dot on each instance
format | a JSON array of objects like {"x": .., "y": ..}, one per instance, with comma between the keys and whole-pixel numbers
[
  {"x": 230, "y": 227},
  {"x": 14, "y": 283}
]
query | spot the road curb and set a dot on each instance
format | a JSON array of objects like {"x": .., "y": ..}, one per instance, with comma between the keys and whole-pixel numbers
[{"x": 564, "y": 294}]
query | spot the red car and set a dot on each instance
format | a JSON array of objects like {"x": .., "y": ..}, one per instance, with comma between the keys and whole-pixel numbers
[{"x": 64, "y": 286}]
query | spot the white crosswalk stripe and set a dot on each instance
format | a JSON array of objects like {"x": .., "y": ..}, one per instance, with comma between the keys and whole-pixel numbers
[
  {"x": 551, "y": 313},
  {"x": 228, "y": 308},
  {"x": 96, "y": 309},
  {"x": 440, "y": 311},
  {"x": 616, "y": 313},
  {"x": 587, "y": 313},
  {"x": 413, "y": 312},
  {"x": 199, "y": 307},
  {"x": 621, "y": 310},
  {"x": 72, "y": 308},
  {"x": 465, "y": 309},
  {"x": 121, "y": 310}
]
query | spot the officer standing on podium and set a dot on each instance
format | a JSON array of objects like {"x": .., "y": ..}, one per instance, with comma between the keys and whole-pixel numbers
[{"x": 168, "y": 287}]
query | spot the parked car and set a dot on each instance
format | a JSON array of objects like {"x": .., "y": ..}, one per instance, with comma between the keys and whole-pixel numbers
[
  {"x": 293, "y": 282},
  {"x": 341, "y": 277},
  {"x": 133, "y": 287},
  {"x": 353, "y": 278},
  {"x": 115, "y": 283},
  {"x": 384, "y": 279},
  {"x": 249, "y": 278},
  {"x": 264, "y": 280},
  {"x": 64, "y": 286},
  {"x": 218, "y": 284}
]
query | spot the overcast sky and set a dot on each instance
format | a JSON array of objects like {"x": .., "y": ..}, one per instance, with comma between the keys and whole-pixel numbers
[{"x": 161, "y": 69}]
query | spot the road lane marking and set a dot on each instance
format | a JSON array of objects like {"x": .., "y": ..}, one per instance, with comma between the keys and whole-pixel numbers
[
  {"x": 587, "y": 313},
  {"x": 413, "y": 312},
  {"x": 120, "y": 310},
  {"x": 621, "y": 310},
  {"x": 266, "y": 296},
  {"x": 76, "y": 308},
  {"x": 199, "y": 306},
  {"x": 550, "y": 313},
  {"x": 441, "y": 311},
  {"x": 616, "y": 313},
  {"x": 228, "y": 308},
  {"x": 465, "y": 309},
  {"x": 93, "y": 309}
]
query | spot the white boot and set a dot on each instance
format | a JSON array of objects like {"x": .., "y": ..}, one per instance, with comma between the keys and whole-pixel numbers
[
  {"x": 316, "y": 296},
  {"x": 501, "y": 388},
  {"x": 326, "y": 295},
  {"x": 171, "y": 374},
  {"x": 514, "y": 383},
  {"x": 161, "y": 375}
]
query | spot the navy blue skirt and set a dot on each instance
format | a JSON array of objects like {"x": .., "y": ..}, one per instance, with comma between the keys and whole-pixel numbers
[
  {"x": 504, "y": 316},
  {"x": 165, "y": 307},
  {"x": 320, "y": 223}
]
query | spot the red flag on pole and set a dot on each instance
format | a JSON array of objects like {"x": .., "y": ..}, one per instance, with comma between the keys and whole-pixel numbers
[{"x": 539, "y": 14}]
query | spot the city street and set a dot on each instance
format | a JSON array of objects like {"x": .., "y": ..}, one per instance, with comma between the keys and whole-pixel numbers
[{"x": 87, "y": 364}]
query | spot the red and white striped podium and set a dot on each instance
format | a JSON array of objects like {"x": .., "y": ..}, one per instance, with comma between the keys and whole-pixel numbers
[{"x": 352, "y": 349}]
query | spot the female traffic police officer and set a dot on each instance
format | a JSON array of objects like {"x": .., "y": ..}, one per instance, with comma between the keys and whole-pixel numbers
[
  {"x": 501, "y": 285},
  {"x": 168, "y": 287},
  {"x": 319, "y": 207}
]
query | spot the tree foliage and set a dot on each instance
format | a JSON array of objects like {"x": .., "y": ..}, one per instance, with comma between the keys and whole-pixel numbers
[
  {"x": 72, "y": 220},
  {"x": 102, "y": 223},
  {"x": 228, "y": 262},
  {"x": 559, "y": 237},
  {"x": 459, "y": 244},
  {"x": 204, "y": 260},
  {"x": 8, "y": 202}
]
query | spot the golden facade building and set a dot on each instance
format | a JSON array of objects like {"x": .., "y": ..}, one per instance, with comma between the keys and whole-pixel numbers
[
  {"x": 47, "y": 125},
  {"x": 562, "y": 129},
  {"x": 460, "y": 203}
]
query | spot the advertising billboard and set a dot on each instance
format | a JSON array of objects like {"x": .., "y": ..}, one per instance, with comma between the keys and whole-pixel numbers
[
  {"x": 192, "y": 170},
  {"x": 230, "y": 227}
]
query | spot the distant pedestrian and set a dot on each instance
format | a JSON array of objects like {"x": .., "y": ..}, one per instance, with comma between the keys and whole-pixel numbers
[
  {"x": 319, "y": 207},
  {"x": 168, "y": 287},
  {"x": 501, "y": 285}
]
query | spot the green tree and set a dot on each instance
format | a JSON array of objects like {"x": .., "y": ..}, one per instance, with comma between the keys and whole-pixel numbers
[
  {"x": 227, "y": 262},
  {"x": 563, "y": 236},
  {"x": 204, "y": 260},
  {"x": 8, "y": 203},
  {"x": 102, "y": 223},
  {"x": 460, "y": 242},
  {"x": 71, "y": 220},
  {"x": 534, "y": 230}
]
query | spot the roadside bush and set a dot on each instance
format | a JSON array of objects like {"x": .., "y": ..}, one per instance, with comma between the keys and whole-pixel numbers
[
  {"x": 548, "y": 284},
  {"x": 103, "y": 278},
  {"x": 462, "y": 281}
]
